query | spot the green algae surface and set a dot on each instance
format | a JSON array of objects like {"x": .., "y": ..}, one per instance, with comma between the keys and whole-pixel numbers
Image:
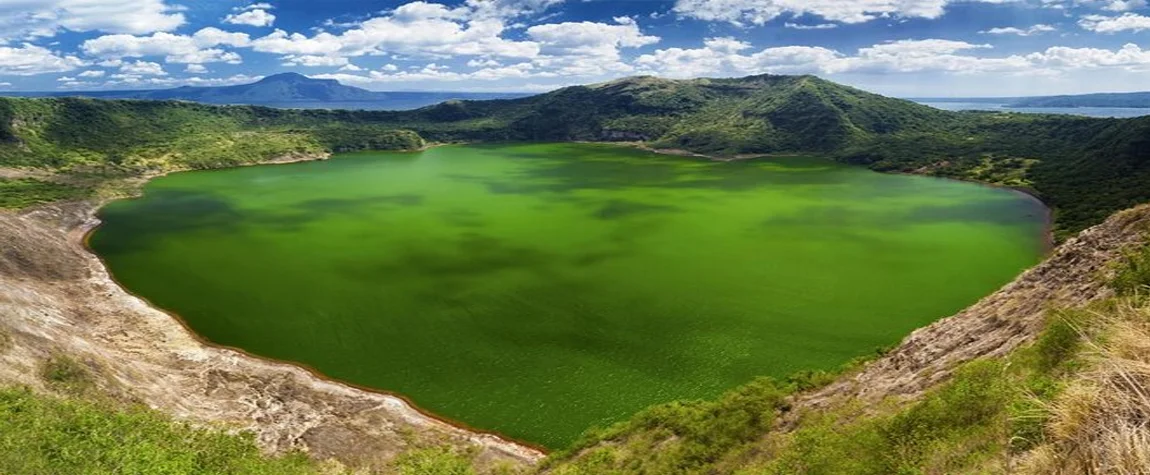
[{"x": 538, "y": 290}]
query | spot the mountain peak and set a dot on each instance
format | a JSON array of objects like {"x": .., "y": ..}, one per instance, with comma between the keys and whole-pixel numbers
[{"x": 290, "y": 78}]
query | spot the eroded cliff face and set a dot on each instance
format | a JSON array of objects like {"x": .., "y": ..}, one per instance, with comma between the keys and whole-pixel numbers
[
  {"x": 56, "y": 298},
  {"x": 1074, "y": 275}
]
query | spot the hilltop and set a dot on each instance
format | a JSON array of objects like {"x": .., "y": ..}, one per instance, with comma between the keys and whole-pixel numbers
[
  {"x": 289, "y": 90},
  {"x": 1085, "y": 168},
  {"x": 1044, "y": 376}
]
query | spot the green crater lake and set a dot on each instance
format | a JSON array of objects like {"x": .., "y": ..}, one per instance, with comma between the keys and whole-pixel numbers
[{"x": 538, "y": 290}]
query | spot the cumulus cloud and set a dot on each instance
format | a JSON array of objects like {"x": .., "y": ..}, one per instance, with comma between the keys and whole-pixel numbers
[
  {"x": 28, "y": 59},
  {"x": 128, "y": 80},
  {"x": 1124, "y": 5},
  {"x": 42, "y": 18},
  {"x": 252, "y": 15},
  {"x": 758, "y": 12},
  {"x": 1114, "y": 24},
  {"x": 727, "y": 56},
  {"x": 143, "y": 68},
  {"x": 201, "y": 47},
  {"x": 431, "y": 30},
  {"x": 819, "y": 26},
  {"x": 1130, "y": 57},
  {"x": 195, "y": 69},
  {"x": 437, "y": 73},
  {"x": 95, "y": 73},
  {"x": 1010, "y": 30}
]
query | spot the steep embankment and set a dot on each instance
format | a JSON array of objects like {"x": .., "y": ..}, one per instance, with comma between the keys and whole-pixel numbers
[
  {"x": 967, "y": 394},
  {"x": 57, "y": 299}
]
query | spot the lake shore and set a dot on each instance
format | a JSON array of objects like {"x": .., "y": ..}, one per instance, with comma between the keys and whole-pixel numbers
[
  {"x": 59, "y": 298},
  {"x": 272, "y": 432}
]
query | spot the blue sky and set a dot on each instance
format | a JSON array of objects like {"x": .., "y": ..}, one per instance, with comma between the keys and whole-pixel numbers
[{"x": 895, "y": 47}]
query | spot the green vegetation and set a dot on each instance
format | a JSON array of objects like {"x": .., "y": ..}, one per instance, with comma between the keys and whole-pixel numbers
[
  {"x": 538, "y": 257},
  {"x": 67, "y": 375},
  {"x": 1085, "y": 168},
  {"x": 1133, "y": 274},
  {"x": 23, "y": 192},
  {"x": 45, "y": 435},
  {"x": 433, "y": 461},
  {"x": 1071, "y": 402}
]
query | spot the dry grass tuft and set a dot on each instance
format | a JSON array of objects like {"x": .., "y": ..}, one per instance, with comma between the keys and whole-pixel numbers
[{"x": 1100, "y": 424}]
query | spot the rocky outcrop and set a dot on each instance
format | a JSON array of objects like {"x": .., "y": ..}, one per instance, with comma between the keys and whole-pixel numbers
[
  {"x": 56, "y": 298},
  {"x": 1074, "y": 275}
]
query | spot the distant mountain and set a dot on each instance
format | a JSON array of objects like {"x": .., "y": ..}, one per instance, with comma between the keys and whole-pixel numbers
[
  {"x": 286, "y": 87},
  {"x": 1116, "y": 99},
  {"x": 288, "y": 90},
  {"x": 1134, "y": 100},
  {"x": 1084, "y": 168}
]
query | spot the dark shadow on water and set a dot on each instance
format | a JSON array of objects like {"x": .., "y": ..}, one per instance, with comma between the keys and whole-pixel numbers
[
  {"x": 618, "y": 209},
  {"x": 138, "y": 223}
]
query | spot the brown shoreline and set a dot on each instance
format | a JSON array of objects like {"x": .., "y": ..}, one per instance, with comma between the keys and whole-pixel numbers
[
  {"x": 93, "y": 223},
  {"x": 310, "y": 370}
]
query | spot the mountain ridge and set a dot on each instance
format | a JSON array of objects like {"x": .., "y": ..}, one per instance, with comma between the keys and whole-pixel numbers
[
  {"x": 1084, "y": 168},
  {"x": 292, "y": 90}
]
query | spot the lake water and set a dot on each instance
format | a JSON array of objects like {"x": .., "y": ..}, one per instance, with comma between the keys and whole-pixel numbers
[
  {"x": 537, "y": 290},
  {"x": 1110, "y": 112}
]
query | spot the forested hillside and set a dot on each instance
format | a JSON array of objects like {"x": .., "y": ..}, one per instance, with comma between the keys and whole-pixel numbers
[{"x": 1085, "y": 168}]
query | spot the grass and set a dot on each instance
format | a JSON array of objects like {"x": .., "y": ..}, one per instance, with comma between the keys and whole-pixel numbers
[
  {"x": 1133, "y": 272},
  {"x": 44, "y": 435},
  {"x": 24, "y": 192},
  {"x": 433, "y": 461},
  {"x": 67, "y": 375},
  {"x": 1077, "y": 400}
]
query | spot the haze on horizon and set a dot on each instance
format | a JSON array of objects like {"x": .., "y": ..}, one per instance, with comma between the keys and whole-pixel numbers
[{"x": 923, "y": 48}]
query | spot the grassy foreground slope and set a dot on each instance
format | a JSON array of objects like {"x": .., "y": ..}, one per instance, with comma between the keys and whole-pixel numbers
[
  {"x": 1073, "y": 400},
  {"x": 1085, "y": 168}
]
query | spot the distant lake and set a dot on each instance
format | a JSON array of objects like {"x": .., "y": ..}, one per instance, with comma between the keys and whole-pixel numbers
[
  {"x": 1113, "y": 112},
  {"x": 540, "y": 289}
]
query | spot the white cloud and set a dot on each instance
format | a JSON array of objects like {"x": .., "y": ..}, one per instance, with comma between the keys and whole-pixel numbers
[
  {"x": 483, "y": 63},
  {"x": 95, "y": 73},
  {"x": 1010, "y": 30},
  {"x": 407, "y": 35},
  {"x": 201, "y": 47},
  {"x": 727, "y": 56},
  {"x": 1124, "y": 5},
  {"x": 41, "y": 18},
  {"x": 504, "y": 9},
  {"x": 5, "y": 84},
  {"x": 27, "y": 59},
  {"x": 142, "y": 68},
  {"x": 437, "y": 73},
  {"x": 819, "y": 26},
  {"x": 758, "y": 12},
  {"x": 314, "y": 60},
  {"x": 1105, "y": 24},
  {"x": 256, "y": 17},
  {"x": 1130, "y": 57},
  {"x": 128, "y": 80},
  {"x": 195, "y": 69}
]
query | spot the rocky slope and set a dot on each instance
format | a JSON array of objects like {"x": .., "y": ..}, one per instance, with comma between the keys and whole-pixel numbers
[
  {"x": 757, "y": 420},
  {"x": 56, "y": 298}
]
